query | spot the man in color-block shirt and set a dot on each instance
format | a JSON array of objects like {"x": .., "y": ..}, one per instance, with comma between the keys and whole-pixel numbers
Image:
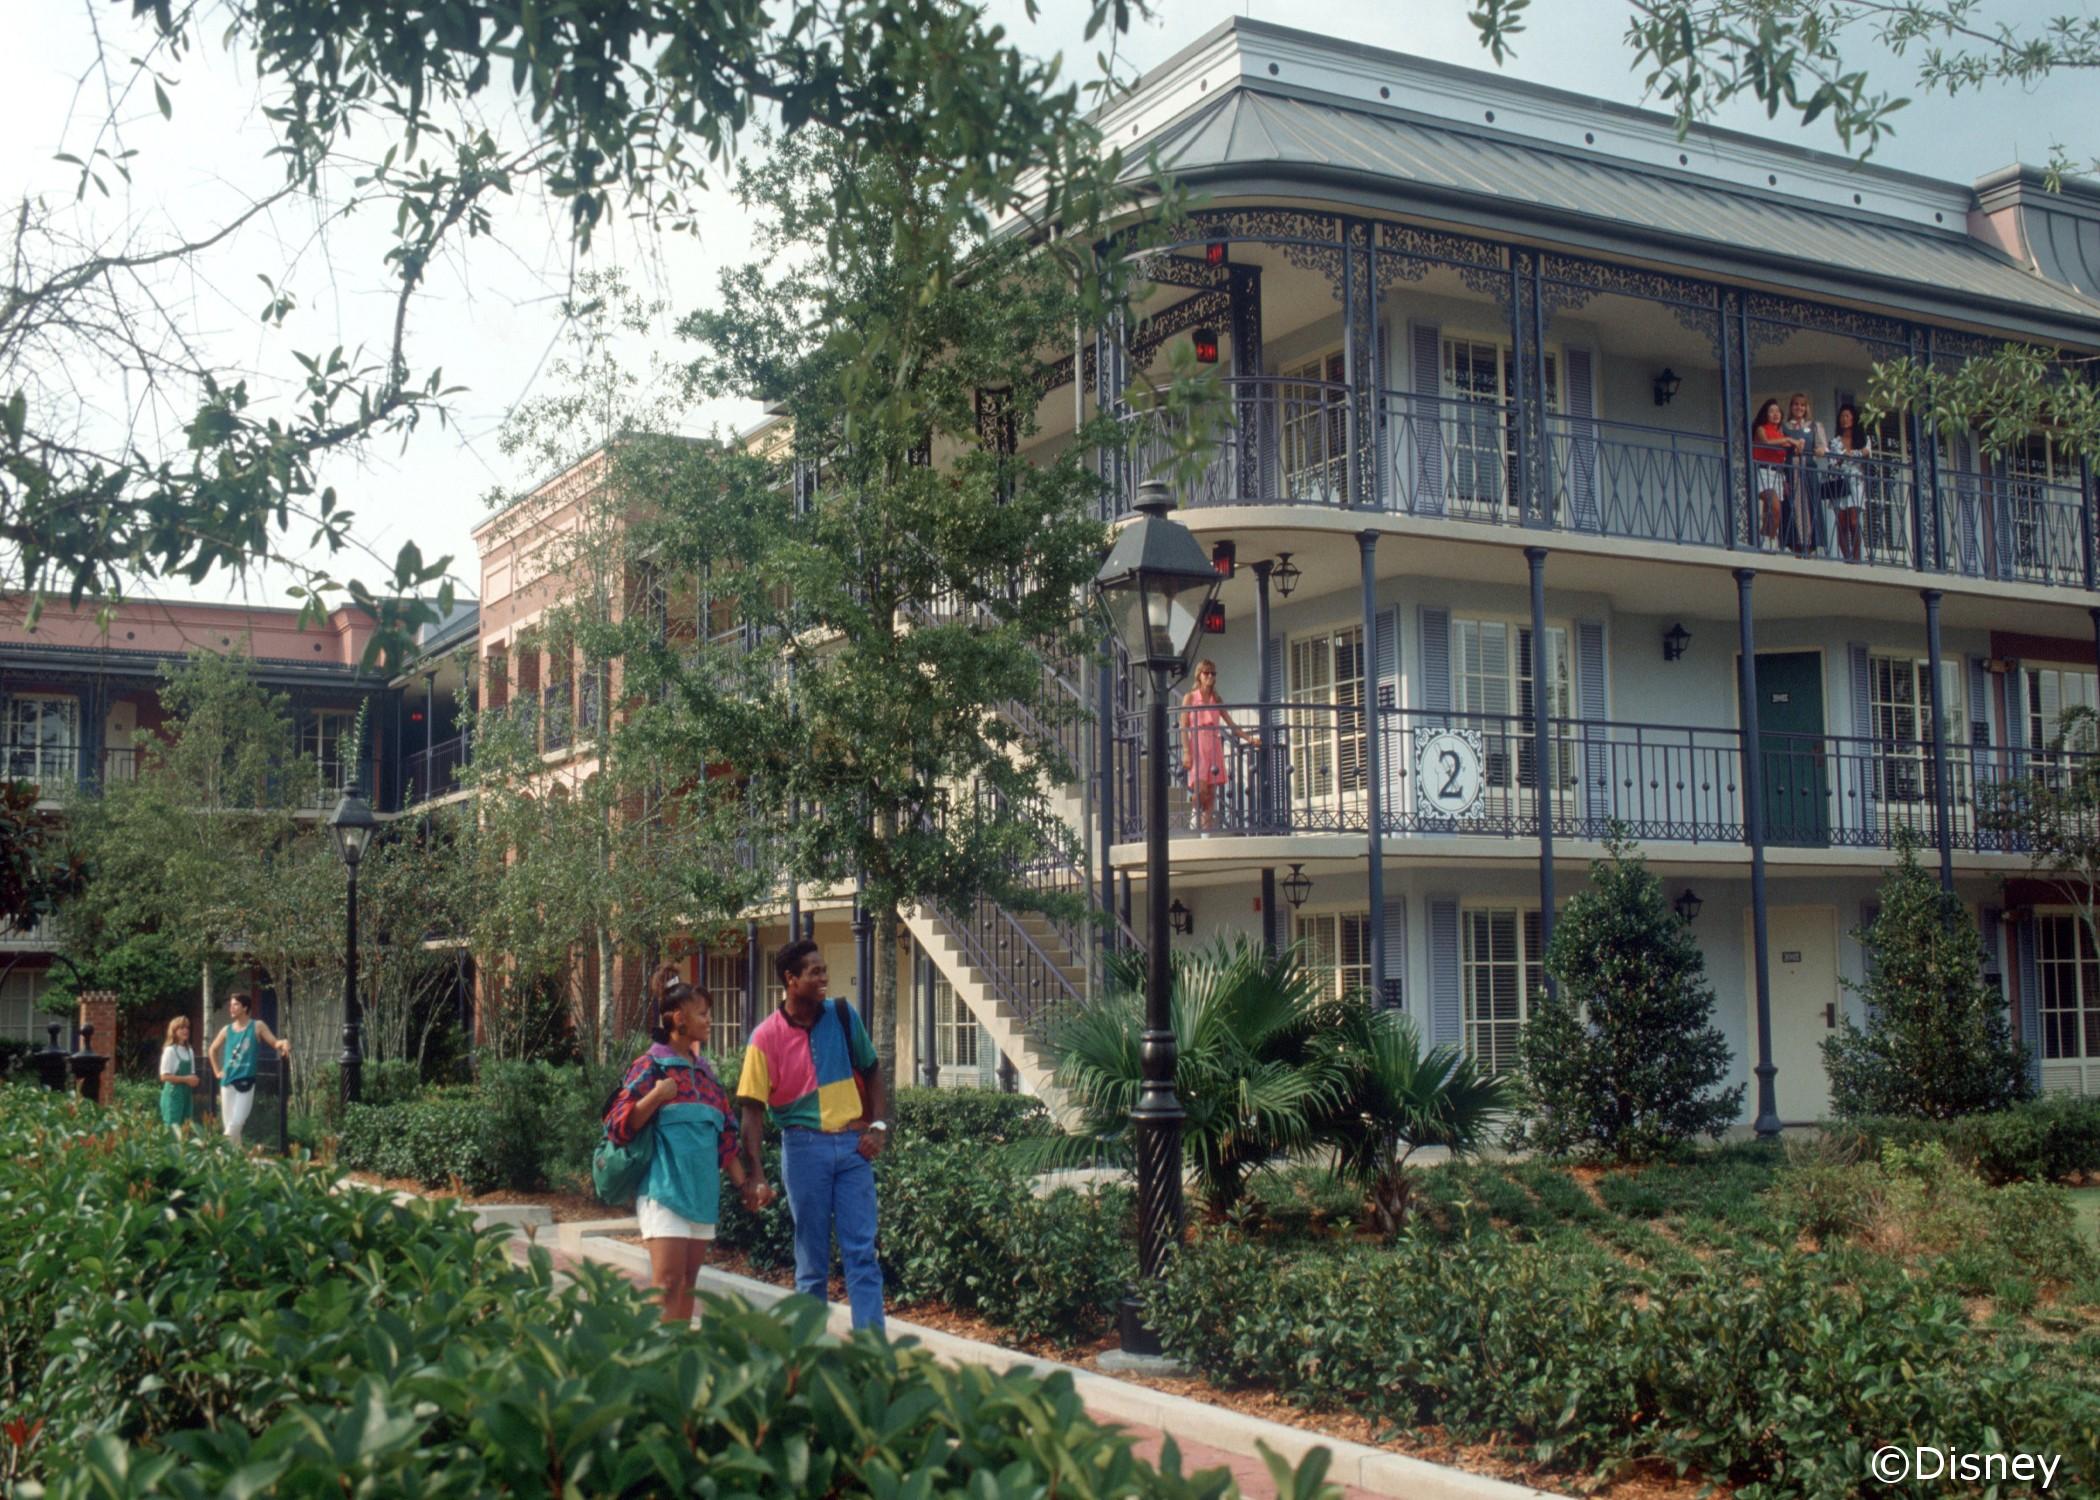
[{"x": 804, "y": 1070}]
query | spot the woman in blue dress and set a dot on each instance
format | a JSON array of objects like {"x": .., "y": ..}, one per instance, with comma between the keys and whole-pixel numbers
[{"x": 673, "y": 1087}]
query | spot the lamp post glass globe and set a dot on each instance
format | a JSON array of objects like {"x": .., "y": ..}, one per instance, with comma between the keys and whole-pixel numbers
[
  {"x": 1155, "y": 584},
  {"x": 352, "y": 824}
]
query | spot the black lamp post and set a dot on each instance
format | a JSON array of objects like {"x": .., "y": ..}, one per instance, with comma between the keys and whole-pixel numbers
[
  {"x": 352, "y": 824},
  {"x": 1155, "y": 587}
]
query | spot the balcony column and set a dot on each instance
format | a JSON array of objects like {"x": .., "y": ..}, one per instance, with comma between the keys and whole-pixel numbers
[
  {"x": 1942, "y": 800},
  {"x": 1264, "y": 793},
  {"x": 1754, "y": 830},
  {"x": 753, "y": 981},
  {"x": 1753, "y": 511},
  {"x": 1520, "y": 265},
  {"x": 1733, "y": 404},
  {"x": 1243, "y": 288},
  {"x": 1374, "y": 780},
  {"x": 1539, "y": 425},
  {"x": 2085, "y": 518},
  {"x": 1541, "y": 742},
  {"x": 1924, "y": 478},
  {"x": 1105, "y": 771}
]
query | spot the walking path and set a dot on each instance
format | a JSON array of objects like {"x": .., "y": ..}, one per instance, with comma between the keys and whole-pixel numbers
[{"x": 1208, "y": 1436}]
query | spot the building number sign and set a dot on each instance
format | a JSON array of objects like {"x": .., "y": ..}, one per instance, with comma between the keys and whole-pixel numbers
[{"x": 1450, "y": 772}]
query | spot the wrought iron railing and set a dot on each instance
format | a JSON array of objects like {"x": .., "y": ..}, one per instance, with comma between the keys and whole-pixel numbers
[
  {"x": 434, "y": 771},
  {"x": 2019, "y": 529}
]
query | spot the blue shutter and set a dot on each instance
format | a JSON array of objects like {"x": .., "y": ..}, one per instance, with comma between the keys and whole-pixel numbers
[
  {"x": 1863, "y": 767},
  {"x": 1387, "y": 723},
  {"x": 1436, "y": 660},
  {"x": 1427, "y": 426},
  {"x": 1394, "y": 991},
  {"x": 1446, "y": 1005},
  {"x": 1988, "y": 928},
  {"x": 1979, "y": 750},
  {"x": 1596, "y": 740},
  {"x": 2030, "y": 1001},
  {"x": 1581, "y": 461},
  {"x": 2015, "y": 728}
]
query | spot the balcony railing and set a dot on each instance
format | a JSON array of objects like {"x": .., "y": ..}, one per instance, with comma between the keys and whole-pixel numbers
[
  {"x": 1498, "y": 462},
  {"x": 1304, "y": 769},
  {"x": 434, "y": 771}
]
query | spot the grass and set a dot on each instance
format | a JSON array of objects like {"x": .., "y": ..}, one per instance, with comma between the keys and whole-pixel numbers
[{"x": 2085, "y": 1202}]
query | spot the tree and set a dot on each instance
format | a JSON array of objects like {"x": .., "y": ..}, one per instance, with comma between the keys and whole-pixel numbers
[
  {"x": 383, "y": 106},
  {"x": 1798, "y": 56},
  {"x": 1937, "y": 1043},
  {"x": 2052, "y": 812},
  {"x": 1620, "y": 1057},
  {"x": 35, "y": 874}
]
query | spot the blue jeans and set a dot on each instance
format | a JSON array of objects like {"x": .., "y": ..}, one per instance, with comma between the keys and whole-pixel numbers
[{"x": 831, "y": 1190}]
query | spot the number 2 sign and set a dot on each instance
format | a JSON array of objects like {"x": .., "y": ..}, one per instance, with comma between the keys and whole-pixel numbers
[{"x": 1450, "y": 772}]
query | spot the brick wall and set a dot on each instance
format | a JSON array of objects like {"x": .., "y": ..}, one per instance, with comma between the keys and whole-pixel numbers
[{"x": 98, "y": 1008}]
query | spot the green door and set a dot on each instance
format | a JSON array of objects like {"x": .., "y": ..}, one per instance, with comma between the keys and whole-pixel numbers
[{"x": 1791, "y": 747}]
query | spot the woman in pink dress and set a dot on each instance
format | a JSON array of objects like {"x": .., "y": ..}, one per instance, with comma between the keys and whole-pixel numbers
[{"x": 1203, "y": 723}]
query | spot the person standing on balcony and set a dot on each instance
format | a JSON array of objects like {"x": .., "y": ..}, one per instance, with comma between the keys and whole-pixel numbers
[
  {"x": 1203, "y": 726},
  {"x": 232, "y": 1054},
  {"x": 674, "y": 1087},
  {"x": 811, "y": 1069},
  {"x": 178, "y": 1075},
  {"x": 1806, "y": 438},
  {"x": 1849, "y": 450},
  {"x": 1770, "y": 452}
]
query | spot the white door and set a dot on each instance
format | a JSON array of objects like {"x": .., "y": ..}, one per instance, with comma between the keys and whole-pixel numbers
[{"x": 1806, "y": 1003}]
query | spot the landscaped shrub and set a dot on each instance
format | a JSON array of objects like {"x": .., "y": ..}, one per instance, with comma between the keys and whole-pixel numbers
[
  {"x": 188, "y": 1322},
  {"x": 1621, "y": 1058},
  {"x": 1937, "y": 1043},
  {"x": 985, "y": 1116},
  {"x": 2048, "y": 1139},
  {"x": 436, "y": 1141}
]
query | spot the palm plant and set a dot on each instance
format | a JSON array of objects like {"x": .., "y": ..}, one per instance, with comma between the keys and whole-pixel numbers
[
  {"x": 1258, "y": 1070},
  {"x": 1401, "y": 1098}
]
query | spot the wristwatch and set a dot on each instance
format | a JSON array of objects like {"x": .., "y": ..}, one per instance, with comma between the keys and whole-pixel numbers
[{"x": 881, "y": 1125}]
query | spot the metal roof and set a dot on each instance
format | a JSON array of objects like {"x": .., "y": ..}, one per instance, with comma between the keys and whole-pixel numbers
[{"x": 1733, "y": 229}]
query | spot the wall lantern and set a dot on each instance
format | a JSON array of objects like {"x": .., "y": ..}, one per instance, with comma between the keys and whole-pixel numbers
[
  {"x": 1180, "y": 918},
  {"x": 1667, "y": 385},
  {"x": 1214, "y": 617},
  {"x": 1687, "y": 905},
  {"x": 1297, "y": 886},
  {"x": 1224, "y": 556},
  {"x": 1285, "y": 575},
  {"x": 1675, "y": 639},
  {"x": 1206, "y": 342},
  {"x": 1214, "y": 253}
]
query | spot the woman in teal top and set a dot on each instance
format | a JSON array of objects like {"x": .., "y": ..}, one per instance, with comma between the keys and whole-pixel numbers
[
  {"x": 232, "y": 1054},
  {"x": 673, "y": 1088},
  {"x": 178, "y": 1075}
]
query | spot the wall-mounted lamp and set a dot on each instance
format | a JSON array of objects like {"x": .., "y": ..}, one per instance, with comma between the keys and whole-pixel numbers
[
  {"x": 1285, "y": 574},
  {"x": 1214, "y": 253},
  {"x": 1214, "y": 617},
  {"x": 1687, "y": 905},
  {"x": 1224, "y": 556},
  {"x": 1206, "y": 342},
  {"x": 1667, "y": 385},
  {"x": 1297, "y": 886},
  {"x": 1180, "y": 918},
  {"x": 1675, "y": 639}
]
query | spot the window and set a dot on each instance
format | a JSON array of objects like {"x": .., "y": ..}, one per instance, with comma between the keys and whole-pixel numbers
[
  {"x": 1492, "y": 678},
  {"x": 1336, "y": 950},
  {"x": 2051, "y": 691},
  {"x": 723, "y": 978},
  {"x": 20, "y": 1020},
  {"x": 42, "y": 738},
  {"x": 1478, "y": 381},
  {"x": 954, "y": 1028},
  {"x": 2044, "y": 479},
  {"x": 330, "y": 737},
  {"x": 1314, "y": 426},
  {"x": 1327, "y": 734},
  {"x": 1501, "y": 967},
  {"x": 1900, "y": 689},
  {"x": 2069, "y": 973}
]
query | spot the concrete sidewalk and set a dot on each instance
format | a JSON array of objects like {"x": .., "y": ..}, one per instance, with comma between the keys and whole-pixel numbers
[{"x": 1208, "y": 1436}]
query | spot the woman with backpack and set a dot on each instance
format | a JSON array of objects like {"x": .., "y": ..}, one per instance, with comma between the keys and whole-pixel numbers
[{"x": 672, "y": 1091}]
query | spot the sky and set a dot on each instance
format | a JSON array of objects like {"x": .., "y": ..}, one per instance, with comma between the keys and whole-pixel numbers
[{"x": 492, "y": 313}]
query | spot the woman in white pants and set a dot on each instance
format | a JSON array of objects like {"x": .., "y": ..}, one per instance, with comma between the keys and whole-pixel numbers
[{"x": 232, "y": 1054}]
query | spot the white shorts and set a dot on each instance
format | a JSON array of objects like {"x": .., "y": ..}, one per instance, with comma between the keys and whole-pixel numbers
[{"x": 659, "y": 1223}]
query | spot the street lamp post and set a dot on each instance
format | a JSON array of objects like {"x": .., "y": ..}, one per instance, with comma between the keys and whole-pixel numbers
[
  {"x": 1154, "y": 587},
  {"x": 352, "y": 824}
]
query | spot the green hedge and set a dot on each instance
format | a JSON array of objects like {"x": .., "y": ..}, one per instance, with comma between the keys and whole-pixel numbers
[
  {"x": 1777, "y": 1371},
  {"x": 983, "y": 1116},
  {"x": 2046, "y": 1139},
  {"x": 297, "y": 1341}
]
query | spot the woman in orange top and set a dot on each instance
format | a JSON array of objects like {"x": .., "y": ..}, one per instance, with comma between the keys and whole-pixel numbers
[
  {"x": 1771, "y": 450},
  {"x": 1203, "y": 724}
]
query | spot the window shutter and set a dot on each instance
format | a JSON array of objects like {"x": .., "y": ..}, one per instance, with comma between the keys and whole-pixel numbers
[
  {"x": 1987, "y": 928},
  {"x": 1436, "y": 660},
  {"x": 1393, "y": 992},
  {"x": 1446, "y": 1003},
  {"x": 1590, "y": 705},
  {"x": 1869, "y": 911},
  {"x": 1427, "y": 427},
  {"x": 2030, "y": 1000},
  {"x": 1867, "y": 764},
  {"x": 987, "y": 1054},
  {"x": 1582, "y": 445},
  {"x": 1386, "y": 722}
]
